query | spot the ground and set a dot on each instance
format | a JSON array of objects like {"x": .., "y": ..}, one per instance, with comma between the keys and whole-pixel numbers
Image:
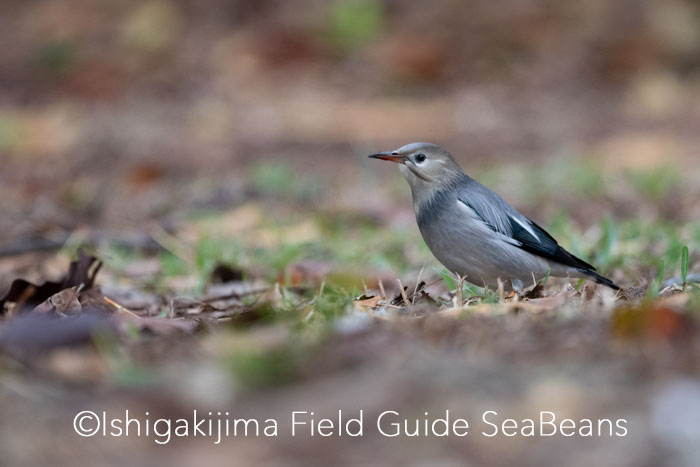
[{"x": 236, "y": 251}]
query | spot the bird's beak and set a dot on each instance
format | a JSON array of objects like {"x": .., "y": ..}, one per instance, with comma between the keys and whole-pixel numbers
[{"x": 389, "y": 156}]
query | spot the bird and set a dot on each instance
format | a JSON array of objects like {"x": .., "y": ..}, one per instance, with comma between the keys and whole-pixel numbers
[{"x": 474, "y": 232}]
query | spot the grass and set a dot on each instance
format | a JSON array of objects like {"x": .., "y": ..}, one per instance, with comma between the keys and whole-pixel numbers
[
  {"x": 655, "y": 184},
  {"x": 685, "y": 260},
  {"x": 658, "y": 281},
  {"x": 352, "y": 248},
  {"x": 308, "y": 325},
  {"x": 584, "y": 178},
  {"x": 353, "y": 23},
  {"x": 281, "y": 180}
]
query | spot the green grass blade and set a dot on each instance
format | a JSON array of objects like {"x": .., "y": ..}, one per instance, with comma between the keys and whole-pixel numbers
[
  {"x": 660, "y": 274},
  {"x": 546, "y": 277},
  {"x": 655, "y": 287},
  {"x": 450, "y": 281},
  {"x": 684, "y": 263}
]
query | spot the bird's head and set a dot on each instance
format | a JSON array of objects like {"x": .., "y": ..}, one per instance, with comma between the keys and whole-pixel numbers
[{"x": 425, "y": 166}]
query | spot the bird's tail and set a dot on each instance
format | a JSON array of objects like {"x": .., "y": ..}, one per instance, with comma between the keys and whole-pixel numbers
[{"x": 600, "y": 279}]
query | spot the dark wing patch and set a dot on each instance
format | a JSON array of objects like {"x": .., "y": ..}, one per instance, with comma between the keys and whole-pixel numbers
[
  {"x": 546, "y": 246},
  {"x": 499, "y": 217}
]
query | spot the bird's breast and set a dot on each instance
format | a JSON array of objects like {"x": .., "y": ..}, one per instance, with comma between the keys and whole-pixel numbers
[{"x": 429, "y": 208}]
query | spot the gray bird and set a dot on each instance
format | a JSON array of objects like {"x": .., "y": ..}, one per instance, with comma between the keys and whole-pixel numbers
[{"x": 474, "y": 232}]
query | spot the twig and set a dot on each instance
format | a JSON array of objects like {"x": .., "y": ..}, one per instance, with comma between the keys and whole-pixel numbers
[
  {"x": 403, "y": 293},
  {"x": 237, "y": 295},
  {"x": 415, "y": 289},
  {"x": 458, "y": 293},
  {"x": 381, "y": 287},
  {"x": 120, "y": 308},
  {"x": 172, "y": 243}
]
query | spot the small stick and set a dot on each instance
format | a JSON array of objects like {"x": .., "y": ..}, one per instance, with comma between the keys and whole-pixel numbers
[
  {"x": 172, "y": 243},
  {"x": 381, "y": 288},
  {"x": 120, "y": 308},
  {"x": 460, "y": 290},
  {"x": 322, "y": 288},
  {"x": 415, "y": 289},
  {"x": 403, "y": 293}
]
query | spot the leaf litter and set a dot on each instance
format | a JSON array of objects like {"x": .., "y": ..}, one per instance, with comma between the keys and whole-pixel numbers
[{"x": 268, "y": 322}]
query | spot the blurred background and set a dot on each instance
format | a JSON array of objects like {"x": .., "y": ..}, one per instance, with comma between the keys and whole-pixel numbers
[
  {"x": 174, "y": 136},
  {"x": 114, "y": 112}
]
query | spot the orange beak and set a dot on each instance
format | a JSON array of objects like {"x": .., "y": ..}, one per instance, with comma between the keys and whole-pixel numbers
[{"x": 389, "y": 156}]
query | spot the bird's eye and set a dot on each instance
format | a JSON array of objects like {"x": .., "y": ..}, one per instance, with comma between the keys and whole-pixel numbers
[{"x": 420, "y": 158}]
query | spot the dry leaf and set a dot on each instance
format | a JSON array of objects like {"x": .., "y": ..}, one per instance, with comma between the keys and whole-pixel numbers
[
  {"x": 63, "y": 303},
  {"x": 371, "y": 302},
  {"x": 26, "y": 295}
]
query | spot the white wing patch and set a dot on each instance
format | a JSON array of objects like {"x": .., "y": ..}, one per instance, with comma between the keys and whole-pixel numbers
[
  {"x": 526, "y": 227},
  {"x": 467, "y": 209},
  {"x": 474, "y": 215}
]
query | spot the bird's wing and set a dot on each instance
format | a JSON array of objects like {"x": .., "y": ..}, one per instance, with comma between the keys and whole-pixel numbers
[
  {"x": 517, "y": 229},
  {"x": 545, "y": 245}
]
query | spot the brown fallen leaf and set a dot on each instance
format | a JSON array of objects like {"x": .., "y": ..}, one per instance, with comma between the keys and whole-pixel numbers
[
  {"x": 660, "y": 320},
  {"x": 414, "y": 295},
  {"x": 370, "y": 302},
  {"x": 304, "y": 273},
  {"x": 27, "y": 296},
  {"x": 141, "y": 176},
  {"x": 63, "y": 303}
]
